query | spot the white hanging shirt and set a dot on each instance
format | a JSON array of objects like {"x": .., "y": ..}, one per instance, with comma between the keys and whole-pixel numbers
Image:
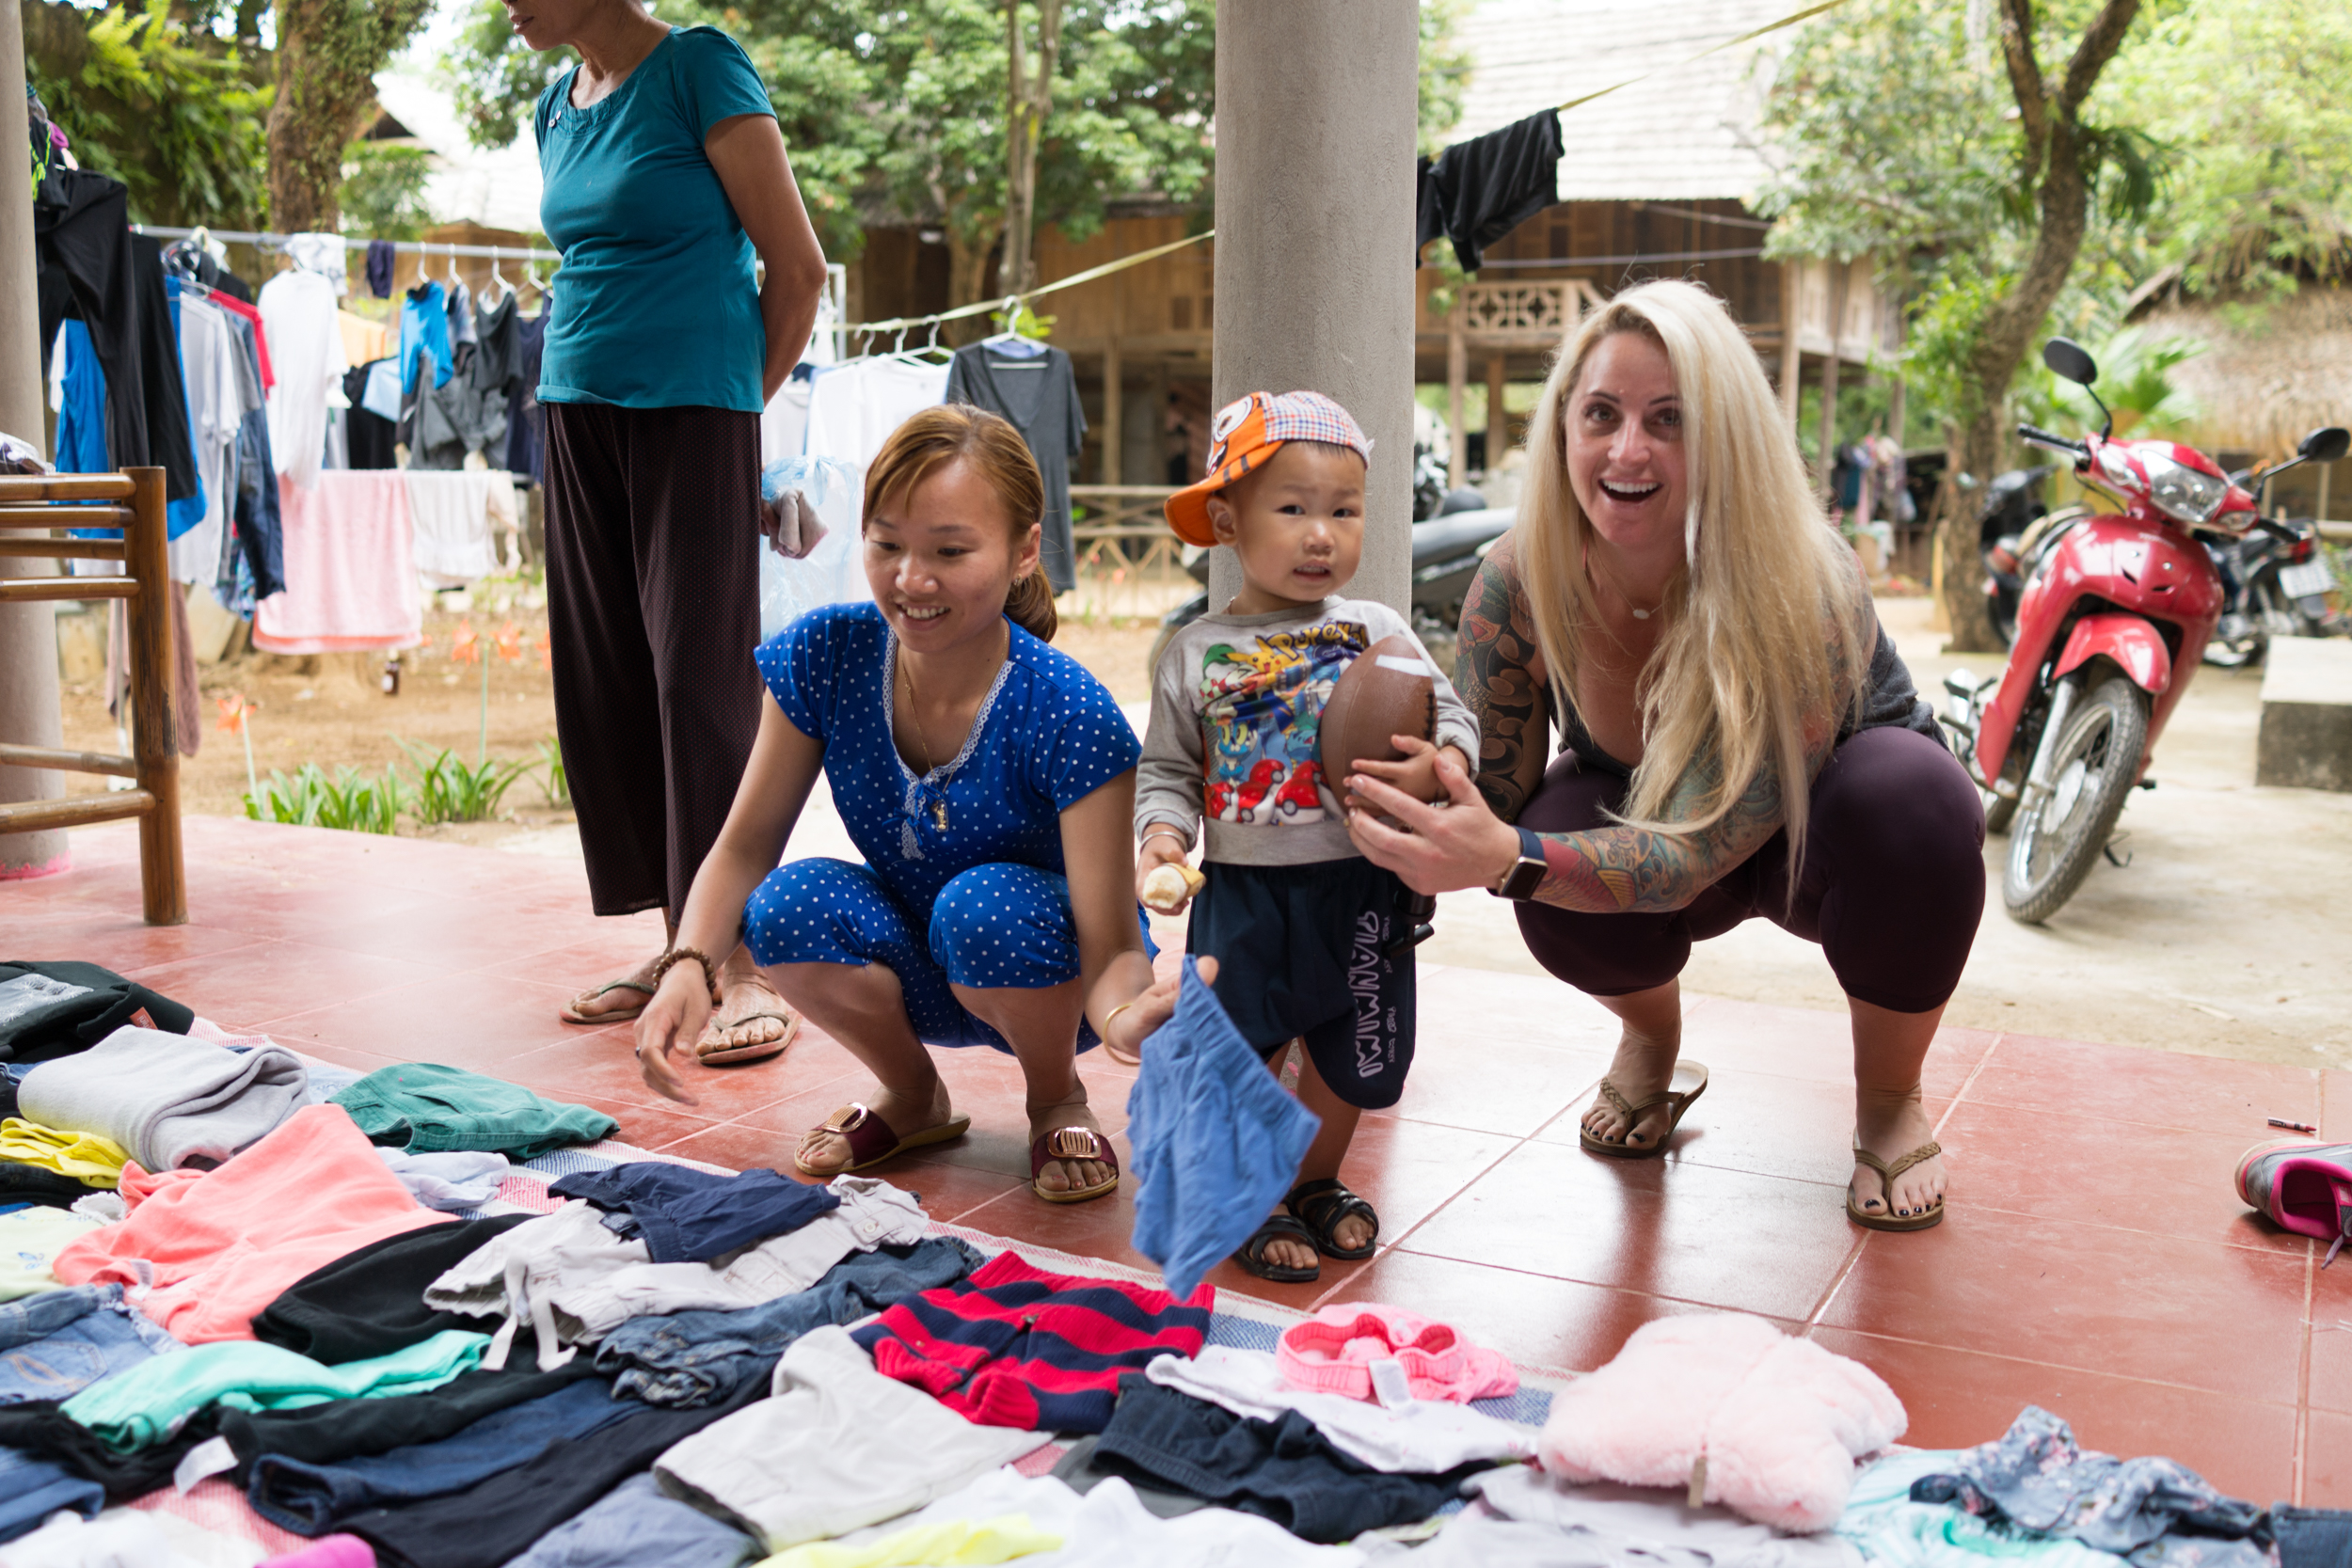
[{"x": 306, "y": 349}]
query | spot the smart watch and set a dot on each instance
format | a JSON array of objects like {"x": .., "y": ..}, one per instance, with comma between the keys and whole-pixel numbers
[{"x": 1527, "y": 873}]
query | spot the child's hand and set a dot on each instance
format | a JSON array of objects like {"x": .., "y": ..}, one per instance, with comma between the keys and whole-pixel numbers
[
  {"x": 1158, "y": 851},
  {"x": 1416, "y": 775}
]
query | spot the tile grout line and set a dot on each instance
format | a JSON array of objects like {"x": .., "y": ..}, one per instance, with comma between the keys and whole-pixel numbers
[
  {"x": 1447, "y": 1202},
  {"x": 2064, "y": 1367},
  {"x": 2303, "y": 1380},
  {"x": 1961, "y": 1095}
]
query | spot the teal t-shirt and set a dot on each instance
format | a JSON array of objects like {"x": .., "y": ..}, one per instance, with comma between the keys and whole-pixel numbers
[{"x": 656, "y": 305}]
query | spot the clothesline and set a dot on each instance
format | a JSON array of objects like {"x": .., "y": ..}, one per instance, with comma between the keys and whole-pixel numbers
[
  {"x": 902, "y": 324},
  {"x": 410, "y": 247},
  {"x": 1789, "y": 21}
]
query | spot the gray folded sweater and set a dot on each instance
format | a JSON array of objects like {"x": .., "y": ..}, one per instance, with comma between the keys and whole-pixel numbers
[{"x": 171, "y": 1101}]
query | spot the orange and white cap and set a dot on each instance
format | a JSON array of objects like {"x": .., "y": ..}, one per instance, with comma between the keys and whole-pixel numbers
[{"x": 1248, "y": 430}]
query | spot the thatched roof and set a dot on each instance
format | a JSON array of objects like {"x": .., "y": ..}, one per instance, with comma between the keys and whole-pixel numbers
[{"x": 2270, "y": 374}]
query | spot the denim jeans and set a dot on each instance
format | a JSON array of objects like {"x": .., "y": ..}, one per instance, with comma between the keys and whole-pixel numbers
[
  {"x": 695, "y": 1358},
  {"x": 56, "y": 1343},
  {"x": 32, "y": 1489},
  {"x": 312, "y": 1499},
  {"x": 635, "y": 1526}
]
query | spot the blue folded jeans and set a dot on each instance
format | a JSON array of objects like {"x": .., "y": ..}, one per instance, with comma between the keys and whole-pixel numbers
[
  {"x": 56, "y": 1343},
  {"x": 697, "y": 1358},
  {"x": 635, "y": 1526},
  {"x": 313, "y": 1500},
  {"x": 32, "y": 1489}
]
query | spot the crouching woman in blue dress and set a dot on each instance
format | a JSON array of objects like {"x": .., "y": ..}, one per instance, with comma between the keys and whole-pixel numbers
[{"x": 988, "y": 780}]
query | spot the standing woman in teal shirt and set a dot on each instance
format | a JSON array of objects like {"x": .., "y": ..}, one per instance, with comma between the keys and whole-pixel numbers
[{"x": 665, "y": 175}]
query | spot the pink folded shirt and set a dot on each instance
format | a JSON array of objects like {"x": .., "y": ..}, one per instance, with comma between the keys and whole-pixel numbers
[
  {"x": 223, "y": 1246},
  {"x": 1336, "y": 1351}
]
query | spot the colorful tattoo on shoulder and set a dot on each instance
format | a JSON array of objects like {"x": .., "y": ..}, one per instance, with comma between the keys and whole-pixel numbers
[{"x": 1492, "y": 671}]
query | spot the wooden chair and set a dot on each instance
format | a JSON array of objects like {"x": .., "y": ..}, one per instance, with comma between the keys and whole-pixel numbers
[{"x": 31, "y": 501}]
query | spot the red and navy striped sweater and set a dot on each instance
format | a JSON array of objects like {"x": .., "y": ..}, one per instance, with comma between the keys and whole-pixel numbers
[{"x": 1013, "y": 1346}]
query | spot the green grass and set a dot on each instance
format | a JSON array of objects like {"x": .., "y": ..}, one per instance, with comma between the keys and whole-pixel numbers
[
  {"x": 351, "y": 800},
  {"x": 448, "y": 790},
  {"x": 558, "y": 783}
]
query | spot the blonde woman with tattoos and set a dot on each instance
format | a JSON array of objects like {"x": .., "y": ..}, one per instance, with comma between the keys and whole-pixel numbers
[{"x": 1738, "y": 737}]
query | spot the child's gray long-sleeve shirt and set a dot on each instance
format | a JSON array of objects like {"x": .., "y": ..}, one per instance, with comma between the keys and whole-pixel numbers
[{"x": 1236, "y": 710}]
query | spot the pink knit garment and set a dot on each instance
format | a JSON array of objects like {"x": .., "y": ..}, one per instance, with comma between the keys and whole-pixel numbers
[
  {"x": 332, "y": 1551},
  {"x": 1333, "y": 1353}
]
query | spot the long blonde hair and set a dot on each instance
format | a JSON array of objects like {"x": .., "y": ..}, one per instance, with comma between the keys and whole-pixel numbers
[{"x": 1746, "y": 662}]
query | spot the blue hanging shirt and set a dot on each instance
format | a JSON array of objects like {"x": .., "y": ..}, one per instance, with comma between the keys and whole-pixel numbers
[
  {"x": 423, "y": 324},
  {"x": 1048, "y": 736},
  {"x": 658, "y": 306},
  {"x": 188, "y": 511}
]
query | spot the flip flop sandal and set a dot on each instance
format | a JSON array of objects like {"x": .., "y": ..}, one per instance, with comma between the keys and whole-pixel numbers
[
  {"x": 1072, "y": 1143},
  {"x": 871, "y": 1139},
  {"x": 1280, "y": 1227},
  {"x": 736, "y": 1056},
  {"x": 1887, "y": 1219},
  {"x": 1322, "y": 1205},
  {"x": 1682, "y": 1092},
  {"x": 570, "y": 1012}
]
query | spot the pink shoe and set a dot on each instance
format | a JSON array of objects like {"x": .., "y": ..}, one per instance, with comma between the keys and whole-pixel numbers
[
  {"x": 1335, "y": 1351},
  {"x": 2303, "y": 1185}
]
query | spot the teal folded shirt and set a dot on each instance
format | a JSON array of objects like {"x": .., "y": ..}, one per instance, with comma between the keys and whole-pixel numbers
[
  {"x": 655, "y": 305},
  {"x": 426, "y": 1108},
  {"x": 134, "y": 1409}
]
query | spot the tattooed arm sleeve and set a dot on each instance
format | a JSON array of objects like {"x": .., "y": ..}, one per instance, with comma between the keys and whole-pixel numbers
[{"x": 1497, "y": 673}]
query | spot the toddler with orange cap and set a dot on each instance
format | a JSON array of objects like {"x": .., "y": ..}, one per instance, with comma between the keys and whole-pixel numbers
[{"x": 1313, "y": 942}]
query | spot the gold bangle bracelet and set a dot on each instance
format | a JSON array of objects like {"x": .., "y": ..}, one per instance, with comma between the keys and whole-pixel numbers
[{"x": 1110, "y": 1049}]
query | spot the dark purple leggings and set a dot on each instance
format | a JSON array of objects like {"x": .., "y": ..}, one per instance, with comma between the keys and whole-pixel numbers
[{"x": 1891, "y": 885}]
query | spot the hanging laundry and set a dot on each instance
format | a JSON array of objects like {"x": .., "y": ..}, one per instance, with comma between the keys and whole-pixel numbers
[
  {"x": 349, "y": 567},
  {"x": 298, "y": 313},
  {"x": 257, "y": 569},
  {"x": 462, "y": 337},
  {"x": 423, "y": 324},
  {"x": 451, "y": 419},
  {"x": 1039, "y": 394},
  {"x": 216, "y": 410},
  {"x": 368, "y": 436},
  {"x": 252, "y": 314},
  {"x": 184, "y": 513},
  {"x": 452, "y": 515},
  {"x": 497, "y": 346},
  {"x": 321, "y": 255},
  {"x": 854, "y": 407},
  {"x": 380, "y": 268},
  {"x": 784, "y": 423},
  {"x": 526, "y": 424},
  {"x": 1477, "y": 191},
  {"x": 363, "y": 339}
]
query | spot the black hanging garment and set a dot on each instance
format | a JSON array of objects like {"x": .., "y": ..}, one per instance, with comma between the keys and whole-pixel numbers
[
  {"x": 1039, "y": 394},
  {"x": 1479, "y": 190},
  {"x": 82, "y": 248},
  {"x": 163, "y": 387},
  {"x": 369, "y": 436}
]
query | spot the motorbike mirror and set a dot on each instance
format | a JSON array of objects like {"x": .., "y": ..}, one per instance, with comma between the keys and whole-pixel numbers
[
  {"x": 2070, "y": 359},
  {"x": 2324, "y": 445}
]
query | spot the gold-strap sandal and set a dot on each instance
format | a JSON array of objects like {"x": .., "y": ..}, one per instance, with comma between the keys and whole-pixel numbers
[
  {"x": 1887, "y": 1219},
  {"x": 1682, "y": 1092}
]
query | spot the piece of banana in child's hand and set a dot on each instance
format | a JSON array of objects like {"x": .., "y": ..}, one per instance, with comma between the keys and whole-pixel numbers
[{"x": 1170, "y": 886}]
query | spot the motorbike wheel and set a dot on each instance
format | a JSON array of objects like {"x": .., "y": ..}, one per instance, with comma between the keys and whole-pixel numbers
[
  {"x": 2053, "y": 846},
  {"x": 1999, "y": 811}
]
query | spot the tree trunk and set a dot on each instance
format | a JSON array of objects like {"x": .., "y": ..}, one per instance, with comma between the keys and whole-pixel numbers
[
  {"x": 968, "y": 260},
  {"x": 1976, "y": 450},
  {"x": 328, "y": 52}
]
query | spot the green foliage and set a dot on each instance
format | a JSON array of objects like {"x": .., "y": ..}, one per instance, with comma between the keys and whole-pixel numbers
[
  {"x": 2253, "y": 92},
  {"x": 448, "y": 790},
  {"x": 175, "y": 114},
  {"x": 1445, "y": 70},
  {"x": 351, "y": 800},
  {"x": 383, "y": 191},
  {"x": 557, "y": 780},
  {"x": 2135, "y": 382}
]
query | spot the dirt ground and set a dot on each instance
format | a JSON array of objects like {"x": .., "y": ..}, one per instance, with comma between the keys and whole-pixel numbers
[{"x": 2224, "y": 934}]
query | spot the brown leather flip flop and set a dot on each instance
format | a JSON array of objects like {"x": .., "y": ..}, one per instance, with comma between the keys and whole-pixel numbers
[
  {"x": 570, "y": 1012},
  {"x": 737, "y": 1055},
  {"x": 1887, "y": 1219},
  {"x": 1682, "y": 1091},
  {"x": 1072, "y": 1143},
  {"x": 871, "y": 1139}
]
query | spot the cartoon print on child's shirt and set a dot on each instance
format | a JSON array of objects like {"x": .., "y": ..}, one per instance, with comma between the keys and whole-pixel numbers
[{"x": 1262, "y": 711}]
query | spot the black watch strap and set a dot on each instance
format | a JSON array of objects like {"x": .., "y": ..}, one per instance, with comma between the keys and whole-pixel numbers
[{"x": 1527, "y": 873}]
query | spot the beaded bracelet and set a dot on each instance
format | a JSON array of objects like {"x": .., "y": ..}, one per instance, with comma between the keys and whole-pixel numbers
[{"x": 669, "y": 960}]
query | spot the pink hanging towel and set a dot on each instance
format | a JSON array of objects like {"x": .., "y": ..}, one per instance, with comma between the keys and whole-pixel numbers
[{"x": 351, "y": 575}]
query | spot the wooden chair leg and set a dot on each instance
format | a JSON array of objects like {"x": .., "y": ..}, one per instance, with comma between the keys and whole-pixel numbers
[{"x": 154, "y": 736}]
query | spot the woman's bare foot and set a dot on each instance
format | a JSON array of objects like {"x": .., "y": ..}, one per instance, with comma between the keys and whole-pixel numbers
[
  {"x": 825, "y": 1154},
  {"x": 1890, "y": 1127},
  {"x": 1067, "y": 1176},
  {"x": 750, "y": 1014},
  {"x": 1644, "y": 1067},
  {"x": 616, "y": 1001}
]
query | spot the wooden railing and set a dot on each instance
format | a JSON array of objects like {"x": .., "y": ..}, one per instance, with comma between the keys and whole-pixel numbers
[
  {"x": 137, "y": 515},
  {"x": 1128, "y": 562}
]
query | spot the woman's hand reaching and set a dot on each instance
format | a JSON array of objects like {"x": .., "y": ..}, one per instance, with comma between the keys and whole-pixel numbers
[
  {"x": 1136, "y": 1020},
  {"x": 1456, "y": 843},
  {"x": 679, "y": 1011}
]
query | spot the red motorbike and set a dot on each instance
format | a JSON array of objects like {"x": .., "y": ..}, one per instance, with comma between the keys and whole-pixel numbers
[{"x": 2113, "y": 617}]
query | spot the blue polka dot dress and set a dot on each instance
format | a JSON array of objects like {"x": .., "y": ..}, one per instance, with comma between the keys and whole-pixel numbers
[{"x": 982, "y": 902}]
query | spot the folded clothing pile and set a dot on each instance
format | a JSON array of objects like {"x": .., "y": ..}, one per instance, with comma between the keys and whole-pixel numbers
[
  {"x": 172, "y": 1102},
  {"x": 695, "y": 1216},
  {"x": 429, "y": 1109},
  {"x": 57, "y": 1008}
]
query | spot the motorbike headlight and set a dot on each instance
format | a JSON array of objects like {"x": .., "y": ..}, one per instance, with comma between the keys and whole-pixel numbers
[{"x": 2180, "y": 491}]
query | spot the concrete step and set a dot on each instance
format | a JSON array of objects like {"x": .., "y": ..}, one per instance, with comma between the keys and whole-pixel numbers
[{"x": 2306, "y": 736}]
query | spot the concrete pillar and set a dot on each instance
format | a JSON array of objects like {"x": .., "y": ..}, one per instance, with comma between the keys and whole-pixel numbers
[
  {"x": 1315, "y": 236},
  {"x": 28, "y": 632}
]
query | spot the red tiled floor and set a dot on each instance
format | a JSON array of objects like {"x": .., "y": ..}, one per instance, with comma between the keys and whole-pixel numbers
[
  {"x": 2096, "y": 1260},
  {"x": 1957, "y": 1398}
]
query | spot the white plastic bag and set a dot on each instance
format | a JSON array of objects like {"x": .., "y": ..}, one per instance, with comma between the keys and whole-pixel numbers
[{"x": 830, "y": 573}]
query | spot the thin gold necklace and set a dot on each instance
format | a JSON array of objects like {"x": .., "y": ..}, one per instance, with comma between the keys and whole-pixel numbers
[{"x": 914, "y": 717}]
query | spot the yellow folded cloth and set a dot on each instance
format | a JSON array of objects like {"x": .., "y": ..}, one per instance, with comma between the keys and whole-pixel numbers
[
  {"x": 94, "y": 1161},
  {"x": 955, "y": 1543}
]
